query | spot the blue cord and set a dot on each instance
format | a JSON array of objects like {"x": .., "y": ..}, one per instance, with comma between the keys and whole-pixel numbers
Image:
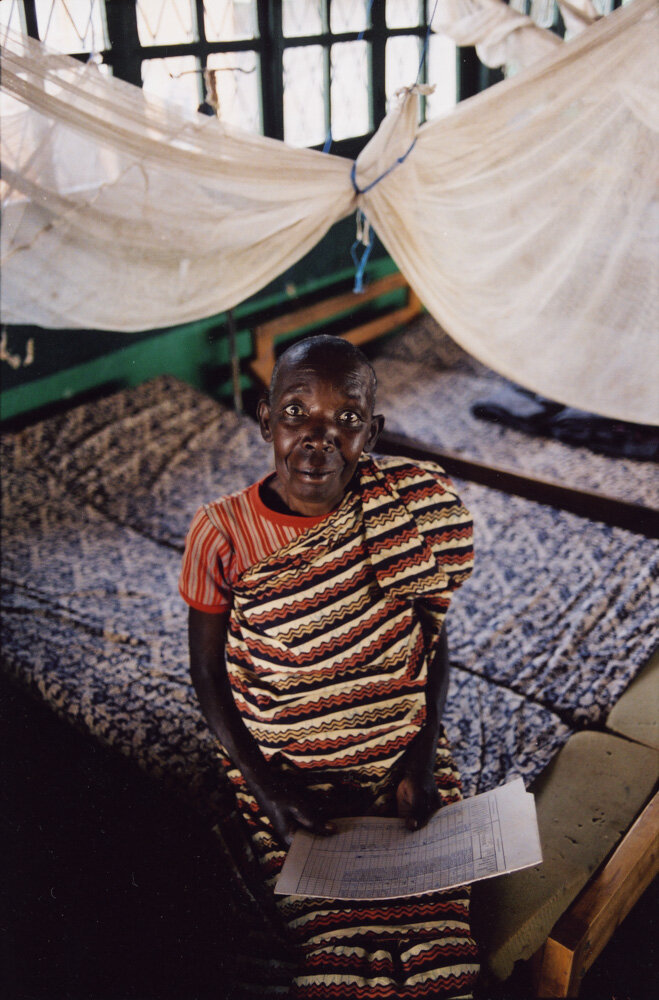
[
  {"x": 368, "y": 18},
  {"x": 360, "y": 37},
  {"x": 360, "y": 263},
  {"x": 353, "y": 172},
  {"x": 427, "y": 40}
]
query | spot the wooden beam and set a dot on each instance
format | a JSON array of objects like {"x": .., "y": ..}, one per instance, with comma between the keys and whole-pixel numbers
[
  {"x": 333, "y": 306},
  {"x": 266, "y": 334},
  {"x": 595, "y": 506},
  {"x": 585, "y": 928},
  {"x": 376, "y": 327}
]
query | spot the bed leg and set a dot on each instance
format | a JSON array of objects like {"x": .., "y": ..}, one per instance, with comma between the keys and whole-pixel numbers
[
  {"x": 554, "y": 971},
  {"x": 581, "y": 933}
]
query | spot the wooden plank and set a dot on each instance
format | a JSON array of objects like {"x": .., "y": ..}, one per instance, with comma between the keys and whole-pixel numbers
[
  {"x": 595, "y": 506},
  {"x": 582, "y": 932},
  {"x": 555, "y": 973},
  {"x": 266, "y": 333},
  {"x": 376, "y": 327},
  {"x": 320, "y": 311}
]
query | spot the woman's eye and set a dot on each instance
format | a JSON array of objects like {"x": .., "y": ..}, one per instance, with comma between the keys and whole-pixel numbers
[{"x": 293, "y": 410}]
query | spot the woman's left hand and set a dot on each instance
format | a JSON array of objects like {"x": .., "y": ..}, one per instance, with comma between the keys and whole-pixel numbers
[{"x": 417, "y": 797}]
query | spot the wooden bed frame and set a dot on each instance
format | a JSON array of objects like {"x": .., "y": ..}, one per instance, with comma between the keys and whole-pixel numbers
[
  {"x": 595, "y": 506},
  {"x": 266, "y": 334},
  {"x": 588, "y": 924}
]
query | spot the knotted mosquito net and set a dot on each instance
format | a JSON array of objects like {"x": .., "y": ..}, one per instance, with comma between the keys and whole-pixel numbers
[{"x": 524, "y": 219}]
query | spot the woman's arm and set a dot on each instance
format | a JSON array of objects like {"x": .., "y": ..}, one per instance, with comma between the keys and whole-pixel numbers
[
  {"x": 416, "y": 792},
  {"x": 287, "y": 807}
]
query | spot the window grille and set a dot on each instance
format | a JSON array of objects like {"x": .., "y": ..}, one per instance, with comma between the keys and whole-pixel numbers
[{"x": 299, "y": 70}]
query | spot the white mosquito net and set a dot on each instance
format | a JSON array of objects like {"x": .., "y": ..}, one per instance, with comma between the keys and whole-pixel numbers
[{"x": 525, "y": 219}]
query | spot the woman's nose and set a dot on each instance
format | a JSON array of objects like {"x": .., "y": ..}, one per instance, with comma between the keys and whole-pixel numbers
[{"x": 319, "y": 435}]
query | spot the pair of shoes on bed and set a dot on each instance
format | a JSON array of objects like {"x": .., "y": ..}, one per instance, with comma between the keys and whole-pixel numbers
[{"x": 526, "y": 411}]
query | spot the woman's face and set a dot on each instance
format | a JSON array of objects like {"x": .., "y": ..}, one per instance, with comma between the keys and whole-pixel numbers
[{"x": 319, "y": 423}]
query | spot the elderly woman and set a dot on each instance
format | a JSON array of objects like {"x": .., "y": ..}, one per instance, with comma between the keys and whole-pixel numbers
[{"x": 319, "y": 655}]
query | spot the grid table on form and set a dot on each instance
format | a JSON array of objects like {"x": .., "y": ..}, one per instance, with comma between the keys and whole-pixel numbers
[{"x": 376, "y": 858}]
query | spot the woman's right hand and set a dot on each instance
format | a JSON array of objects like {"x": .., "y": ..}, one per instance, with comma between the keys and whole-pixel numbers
[{"x": 290, "y": 807}]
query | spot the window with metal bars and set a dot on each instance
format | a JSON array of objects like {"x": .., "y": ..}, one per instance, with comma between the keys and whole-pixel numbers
[
  {"x": 306, "y": 71},
  {"x": 298, "y": 70}
]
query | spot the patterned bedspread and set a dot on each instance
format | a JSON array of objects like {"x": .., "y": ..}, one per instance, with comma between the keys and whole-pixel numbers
[
  {"x": 554, "y": 623},
  {"x": 426, "y": 387}
]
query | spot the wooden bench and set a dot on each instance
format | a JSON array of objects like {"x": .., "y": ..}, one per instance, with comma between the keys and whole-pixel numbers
[
  {"x": 581, "y": 933},
  {"x": 266, "y": 334}
]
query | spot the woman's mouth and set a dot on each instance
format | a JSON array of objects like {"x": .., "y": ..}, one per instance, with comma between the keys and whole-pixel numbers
[{"x": 316, "y": 474}]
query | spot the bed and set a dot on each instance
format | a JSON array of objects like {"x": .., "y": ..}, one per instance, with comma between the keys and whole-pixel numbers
[
  {"x": 427, "y": 386},
  {"x": 554, "y": 625}
]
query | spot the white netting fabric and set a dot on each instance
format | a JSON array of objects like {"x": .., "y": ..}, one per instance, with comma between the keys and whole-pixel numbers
[
  {"x": 525, "y": 219},
  {"x": 125, "y": 213},
  {"x": 501, "y": 34}
]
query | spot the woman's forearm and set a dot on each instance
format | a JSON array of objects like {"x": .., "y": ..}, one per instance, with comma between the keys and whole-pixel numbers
[
  {"x": 287, "y": 805},
  {"x": 437, "y": 682}
]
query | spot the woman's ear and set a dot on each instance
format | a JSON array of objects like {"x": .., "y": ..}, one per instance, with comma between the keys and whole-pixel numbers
[
  {"x": 377, "y": 423},
  {"x": 263, "y": 415}
]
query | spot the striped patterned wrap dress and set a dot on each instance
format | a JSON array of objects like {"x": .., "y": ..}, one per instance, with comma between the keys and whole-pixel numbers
[{"x": 327, "y": 658}]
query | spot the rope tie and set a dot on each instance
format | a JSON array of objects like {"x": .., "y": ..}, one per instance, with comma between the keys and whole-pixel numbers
[
  {"x": 369, "y": 187},
  {"x": 365, "y": 238},
  {"x": 365, "y": 232}
]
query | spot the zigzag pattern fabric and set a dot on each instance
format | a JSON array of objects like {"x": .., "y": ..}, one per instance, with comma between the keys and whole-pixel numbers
[
  {"x": 326, "y": 653},
  {"x": 328, "y": 662},
  {"x": 417, "y": 947}
]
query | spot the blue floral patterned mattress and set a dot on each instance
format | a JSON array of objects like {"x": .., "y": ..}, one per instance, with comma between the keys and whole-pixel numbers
[
  {"x": 555, "y": 622},
  {"x": 426, "y": 387}
]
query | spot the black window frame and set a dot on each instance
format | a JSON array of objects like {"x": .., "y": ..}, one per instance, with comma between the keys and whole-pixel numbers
[{"x": 126, "y": 54}]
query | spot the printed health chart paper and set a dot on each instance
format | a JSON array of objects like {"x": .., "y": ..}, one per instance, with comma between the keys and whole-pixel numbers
[{"x": 374, "y": 858}]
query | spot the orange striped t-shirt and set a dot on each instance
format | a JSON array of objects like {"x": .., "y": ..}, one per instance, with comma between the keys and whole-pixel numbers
[{"x": 228, "y": 536}]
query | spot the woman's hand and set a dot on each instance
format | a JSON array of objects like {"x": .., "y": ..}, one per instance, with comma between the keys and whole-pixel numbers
[
  {"x": 290, "y": 807},
  {"x": 417, "y": 797}
]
